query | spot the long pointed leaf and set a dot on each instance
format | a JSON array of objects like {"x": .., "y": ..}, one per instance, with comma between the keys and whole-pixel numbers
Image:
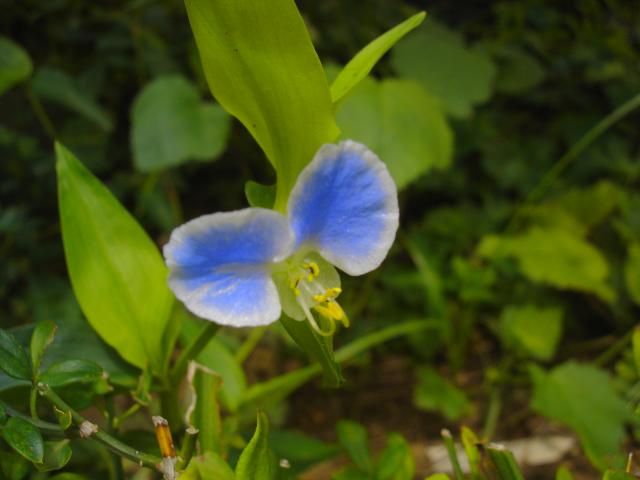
[
  {"x": 361, "y": 64},
  {"x": 116, "y": 271},
  {"x": 262, "y": 68}
]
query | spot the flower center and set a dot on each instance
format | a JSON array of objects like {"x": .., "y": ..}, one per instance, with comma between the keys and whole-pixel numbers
[{"x": 312, "y": 295}]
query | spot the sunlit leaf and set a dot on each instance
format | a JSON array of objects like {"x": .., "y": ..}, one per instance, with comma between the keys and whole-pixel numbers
[
  {"x": 554, "y": 257},
  {"x": 458, "y": 76},
  {"x": 401, "y": 123},
  {"x": 61, "y": 88},
  {"x": 262, "y": 68},
  {"x": 15, "y": 64},
  {"x": 116, "y": 271},
  {"x": 531, "y": 329},
  {"x": 257, "y": 461},
  {"x": 583, "y": 397},
  {"x": 361, "y": 64},
  {"x": 171, "y": 125}
]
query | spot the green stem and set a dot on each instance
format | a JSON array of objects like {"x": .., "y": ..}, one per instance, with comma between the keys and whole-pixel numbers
[
  {"x": 287, "y": 383},
  {"x": 614, "y": 350},
  {"x": 188, "y": 447},
  {"x": 33, "y": 403},
  {"x": 453, "y": 454},
  {"x": 191, "y": 351},
  {"x": 493, "y": 413},
  {"x": 40, "y": 113},
  {"x": 107, "y": 440},
  {"x": 52, "y": 429},
  {"x": 250, "y": 344},
  {"x": 574, "y": 152}
]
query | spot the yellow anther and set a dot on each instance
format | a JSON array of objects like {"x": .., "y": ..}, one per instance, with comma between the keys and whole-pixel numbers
[
  {"x": 333, "y": 292},
  {"x": 320, "y": 298},
  {"x": 313, "y": 268},
  {"x": 330, "y": 310}
]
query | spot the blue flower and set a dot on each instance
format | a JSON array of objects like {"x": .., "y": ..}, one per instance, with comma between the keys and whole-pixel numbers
[{"x": 244, "y": 268}]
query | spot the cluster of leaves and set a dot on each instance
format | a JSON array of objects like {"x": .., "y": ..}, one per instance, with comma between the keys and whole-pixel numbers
[{"x": 497, "y": 246}]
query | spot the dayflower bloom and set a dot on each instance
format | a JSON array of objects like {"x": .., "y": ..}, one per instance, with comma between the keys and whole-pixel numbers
[{"x": 243, "y": 268}]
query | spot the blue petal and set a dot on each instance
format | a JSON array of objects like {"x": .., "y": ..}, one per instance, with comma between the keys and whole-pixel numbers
[
  {"x": 345, "y": 206},
  {"x": 220, "y": 265}
]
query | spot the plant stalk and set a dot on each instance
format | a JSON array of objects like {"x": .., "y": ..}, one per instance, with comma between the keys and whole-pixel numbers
[
  {"x": 191, "y": 351},
  {"x": 107, "y": 440}
]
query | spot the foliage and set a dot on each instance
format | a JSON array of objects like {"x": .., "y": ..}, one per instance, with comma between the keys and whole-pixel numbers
[{"x": 511, "y": 130}]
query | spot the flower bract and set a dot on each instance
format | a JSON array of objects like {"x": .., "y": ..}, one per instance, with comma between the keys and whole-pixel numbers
[{"x": 244, "y": 268}]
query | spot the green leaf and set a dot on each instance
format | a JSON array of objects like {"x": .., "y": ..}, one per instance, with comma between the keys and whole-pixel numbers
[
  {"x": 582, "y": 397},
  {"x": 317, "y": 347},
  {"x": 458, "y": 76},
  {"x": 117, "y": 273},
  {"x": 518, "y": 71},
  {"x": 24, "y": 438},
  {"x": 534, "y": 330},
  {"x": 438, "y": 476},
  {"x": 204, "y": 412},
  {"x": 71, "y": 371},
  {"x": 15, "y": 64},
  {"x": 396, "y": 461},
  {"x": 60, "y": 88},
  {"x": 261, "y": 66},
  {"x": 13, "y": 358},
  {"x": 56, "y": 456},
  {"x": 207, "y": 467},
  {"x": 563, "y": 473},
  {"x": 171, "y": 125},
  {"x": 504, "y": 463},
  {"x": 300, "y": 449},
  {"x": 354, "y": 439},
  {"x": 259, "y": 195},
  {"x": 257, "y": 461},
  {"x": 217, "y": 357},
  {"x": 361, "y": 64},
  {"x": 13, "y": 466},
  {"x": 554, "y": 257},
  {"x": 401, "y": 123},
  {"x": 618, "y": 475},
  {"x": 41, "y": 338},
  {"x": 470, "y": 443},
  {"x": 635, "y": 342},
  {"x": 71, "y": 476},
  {"x": 434, "y": 393},
  {"x": 632, "y": 272}
]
